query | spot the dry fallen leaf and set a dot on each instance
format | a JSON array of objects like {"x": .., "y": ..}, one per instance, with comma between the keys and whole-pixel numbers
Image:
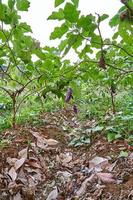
[
  {"x": 11, "y": 161},
  {"x": 83, "y": 187},
  {"x": 130, "y": 195},
  {"x": 53, "y": 194},
  {"x": 23, "y": 153},
  {"x": 111, "y": 166},
  {"x": 52, "y": 142},
  {"x": 28, "y": 193},
  {"x": 99, "y": 163},
  {"x": 43, "y": 142},
  {"x": 19, "y": 163},
  {"x": 64, "y": 176},
  {"x": 64, "y": 158},
  {"x": 33, "y": 163},
  {"x": 31, "y": 182},
  {"x": 131, "y": 156},
  {"x": 22, "y": 176},
  {"x": 17, "y": 196},
  {"x": 106, "y": 177},
  {"x": 12, "y": 173},
  {"x": 14, "y": 187}
]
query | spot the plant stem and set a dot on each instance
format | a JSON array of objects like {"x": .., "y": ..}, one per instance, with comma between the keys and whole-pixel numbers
[{"x": 113, "y": 103}]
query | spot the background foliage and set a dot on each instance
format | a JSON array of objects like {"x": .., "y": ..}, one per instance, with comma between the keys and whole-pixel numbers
[{"x": 101, "y": 79}]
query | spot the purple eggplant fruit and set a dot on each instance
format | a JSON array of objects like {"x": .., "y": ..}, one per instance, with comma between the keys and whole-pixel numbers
[
  {"x": 68, "y": 95},
  {"x": 75, "y": 109}
]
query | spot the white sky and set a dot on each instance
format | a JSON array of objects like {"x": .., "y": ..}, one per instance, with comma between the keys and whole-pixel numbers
[{"x": 41, "y": 9}]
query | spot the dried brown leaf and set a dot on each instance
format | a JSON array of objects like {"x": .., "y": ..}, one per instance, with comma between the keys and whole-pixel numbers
[
  {"x": 28, "y": 193},
  {"x": 130, "y": 196},
  {"x": 64, "y": 158},
  {"x": 12, "y": 173},
  {"x": 23, "y": 153},
  {"x": 11, "y": 161},
  {"x": 43, "y": 142},
  {"x": 19, "y": 163},
  {"x": 64, "y": 176},
  {"x": 131, "y": 156},
  {"x": 52, "y": 142},
  {"x": 53, "y": 194},
  {"x": 106, "y": 177},
  {"x": 17, "y": 196},
  {"x": 99, "y": 163},
  {"x": 83, "y": 187},
  {"x": 34, "y": 164}
]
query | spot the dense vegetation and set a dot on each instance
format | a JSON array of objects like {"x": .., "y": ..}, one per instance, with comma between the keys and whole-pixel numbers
[{"x": 99, "y": 85}]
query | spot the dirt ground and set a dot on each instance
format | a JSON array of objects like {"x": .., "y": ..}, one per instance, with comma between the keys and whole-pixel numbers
[{"x": 37, "y": 163}]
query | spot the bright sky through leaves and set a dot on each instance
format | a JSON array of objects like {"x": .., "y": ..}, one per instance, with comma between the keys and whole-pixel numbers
[{"x": 41, "y": 9}]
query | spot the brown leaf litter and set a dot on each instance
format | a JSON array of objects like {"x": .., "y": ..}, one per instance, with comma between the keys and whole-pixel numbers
[{"x": 38, "y": 164}]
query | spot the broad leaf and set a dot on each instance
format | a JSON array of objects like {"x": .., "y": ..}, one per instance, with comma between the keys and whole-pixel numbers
[
  {"x": 57, "y": 15},
  {"x": 58, "y": 2},
  {"x": 103, "y": 17},
  {"x": 85, "y": 22},
  {"x": 76, "y": 2},
  {"x": 11, "y": 4},
  {"x": 25, "y": 27},
  {"x": 59, "y": 32},
  {"x": 3, "y": 9},
  {"x": 23, "y": 5},
  {"x": 71, "y": 13}
]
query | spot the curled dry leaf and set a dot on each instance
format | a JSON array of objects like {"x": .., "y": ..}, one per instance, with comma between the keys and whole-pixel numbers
[
  {"x": 106, "y": 177},
  {"x": 65, "y": 158},
  {"x": 64, "y": 176},
  {"x": 28, "y": 193},
  {"x": 130, "y": 196},
  {"x": 83, "y": 187},
  {"x": 12, "y": 173},
  {"x": 53, "y": 194},
  {"x": 31, "y": 170},
  {"x": 22, "y": 176},
  {"x": 99, "y": 163},
  {"x": 19, "y": 163},
  {"x": 52, "y": 142},
  {"x": 11, "y": 161},
  {"x": 111, "y": 167},
  {"x": 23, "y": 153},
  {"x": 33, "y": 163},
  {"x": 17, "y": 196},
  {"x": 43, "y": 142},
  {"x": 31, "y": 182},
  {"x": 131, "y": 156},
  {"x": 14, "y": 187}
]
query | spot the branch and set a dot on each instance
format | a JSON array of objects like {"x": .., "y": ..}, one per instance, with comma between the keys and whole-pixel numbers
[
  {"x": 13, "y": 56},
  {"x": 106, "y": 44},
  {"x": 33, "y": 92},
  {"x": 7, "y": 38},
  {"x": 121, "y": 76},
  {"x": 100, "y": 34},
  {"x": 129, "y": 8},
  {"x": 115, "y": 45},
  {"x": 7, "y": 74},
  {"x": 122, "y": 70},
  {"x": 9, "y": 93},
  {"x": 22, "y": 88}
]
